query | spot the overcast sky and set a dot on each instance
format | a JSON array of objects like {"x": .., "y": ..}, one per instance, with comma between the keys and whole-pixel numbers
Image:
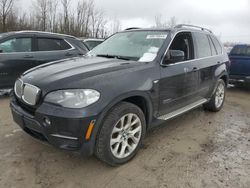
[{"x": 229, "y": 19}]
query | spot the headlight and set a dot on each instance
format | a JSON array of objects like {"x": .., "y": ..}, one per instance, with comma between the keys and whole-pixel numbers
[{"x": 73, "y": 98}]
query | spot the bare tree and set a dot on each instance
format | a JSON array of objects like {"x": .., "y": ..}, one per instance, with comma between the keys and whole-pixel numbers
[
  {"x": 159, "y": 23},
  {"x": 52, "y": 15},
  {"x": 57, "y": 16},
  {"x": 65, "y": 27},
  {"x": 97, "y": 22},
  {"x": 41, "y": 14},
  {"x": 81, "y": 17},
  {"x": 172, "y": 22},
  {"x": 90, "y": 7},
  {"x": 6, "y": 7},
  {"x": 115, "y": 26}
]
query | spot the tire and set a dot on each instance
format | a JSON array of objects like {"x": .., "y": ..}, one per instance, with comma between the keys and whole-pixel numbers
[
  {"x": 217, "y": 101},
  {"x": 114, "y": 135}
]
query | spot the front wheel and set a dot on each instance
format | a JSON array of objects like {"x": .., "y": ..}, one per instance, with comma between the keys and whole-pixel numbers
[
  {"x": 216, "y": 102},
  {"x": 121, "y": 134}
]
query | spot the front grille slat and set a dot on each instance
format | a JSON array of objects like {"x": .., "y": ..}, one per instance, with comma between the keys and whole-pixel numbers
[
  {"x": 18, "y": 88},
  {"x": 27, "y": 93},
  {"x": 30, "y": 94}
]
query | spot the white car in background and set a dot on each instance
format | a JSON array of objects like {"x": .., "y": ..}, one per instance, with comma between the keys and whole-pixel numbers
[{"x": 91, "y": 43}]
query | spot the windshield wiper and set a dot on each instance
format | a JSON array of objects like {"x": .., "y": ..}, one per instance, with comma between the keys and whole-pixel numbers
[{"x": 113, "y": 56}]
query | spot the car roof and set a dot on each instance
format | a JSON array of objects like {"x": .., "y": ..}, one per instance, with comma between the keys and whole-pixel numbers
[
  {"x": 49, "y": 34},
  {"x": 177, "y": 28}
]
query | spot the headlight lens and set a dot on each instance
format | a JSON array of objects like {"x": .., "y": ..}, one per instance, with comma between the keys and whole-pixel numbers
[{"x": 73, "y": 98}]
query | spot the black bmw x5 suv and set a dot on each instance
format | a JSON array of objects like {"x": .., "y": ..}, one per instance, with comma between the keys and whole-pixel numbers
[{"x": 105, "y": 102}]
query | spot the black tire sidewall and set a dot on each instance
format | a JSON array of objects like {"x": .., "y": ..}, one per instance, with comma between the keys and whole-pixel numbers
[
  {"x": 214, "y": 96},
  {"x": 103, "y": 142}
]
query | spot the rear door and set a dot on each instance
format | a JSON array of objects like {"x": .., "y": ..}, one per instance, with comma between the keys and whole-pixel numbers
[
  {"x": 240, "y": 60},
  {"x": 15, "y": 58},
  {"x": 51, "y": 49},
  {"x": 208, "y": 59}
]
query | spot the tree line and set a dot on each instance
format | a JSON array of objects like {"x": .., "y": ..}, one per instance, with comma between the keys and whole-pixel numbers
[{"x": 59, "y": 16}]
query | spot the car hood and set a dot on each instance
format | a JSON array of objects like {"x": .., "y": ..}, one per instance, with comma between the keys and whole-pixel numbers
[{"x": 74, "y": 69}]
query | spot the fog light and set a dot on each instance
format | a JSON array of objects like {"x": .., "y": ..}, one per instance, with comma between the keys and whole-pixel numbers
[{"x": 47, "y": 121}]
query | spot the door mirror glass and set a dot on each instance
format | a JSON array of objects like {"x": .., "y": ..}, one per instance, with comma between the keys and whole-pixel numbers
[
  {"x": 174, "y": 56},
  {"x": 1, "y": 51}
]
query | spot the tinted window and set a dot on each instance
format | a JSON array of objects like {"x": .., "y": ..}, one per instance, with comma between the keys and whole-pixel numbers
[
  {"x": 183, "y": 42},
  {"x": 202, "y": 45},
  {"x": 46, "y": 44},
  {"x": 217, "y": 45},
  {"x": 16, "y": 45},
  {"x": 241, "y": 51}
]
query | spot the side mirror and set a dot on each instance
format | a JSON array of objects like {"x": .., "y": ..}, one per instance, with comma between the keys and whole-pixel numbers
[
  {"x": 1, "y": 51},
  {"x": 174, "y": 56}
]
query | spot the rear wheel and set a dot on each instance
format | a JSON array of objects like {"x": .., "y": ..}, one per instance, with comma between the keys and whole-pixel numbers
[
  {"x": 216, "y": 102},
  {"x": 121, "y": 134}
]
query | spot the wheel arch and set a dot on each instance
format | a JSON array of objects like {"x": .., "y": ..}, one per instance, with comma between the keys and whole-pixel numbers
[
  {"x": 138, "y": 98},
  {"x": 225, "y": 78}
]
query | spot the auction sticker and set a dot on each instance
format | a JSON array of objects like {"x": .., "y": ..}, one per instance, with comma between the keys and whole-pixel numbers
[{"x": 156, "y": 36}]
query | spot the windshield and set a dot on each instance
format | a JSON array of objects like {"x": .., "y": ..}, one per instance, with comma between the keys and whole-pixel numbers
[{"x": 132, "y": 45}]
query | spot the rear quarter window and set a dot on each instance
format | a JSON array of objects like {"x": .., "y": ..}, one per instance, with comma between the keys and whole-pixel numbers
[{"x": 217, "y": 45}]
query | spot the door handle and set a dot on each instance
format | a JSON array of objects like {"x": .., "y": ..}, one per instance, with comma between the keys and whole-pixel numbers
[
  {"x": 195, "y": 69},
  {"x": 28, "y": 56},
  {"x": 68, "y": 54}
]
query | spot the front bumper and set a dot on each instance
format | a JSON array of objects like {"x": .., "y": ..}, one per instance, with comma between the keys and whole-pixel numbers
[
  {"x": 239, "y": 79},
  {"x": 63, "y": 132}
]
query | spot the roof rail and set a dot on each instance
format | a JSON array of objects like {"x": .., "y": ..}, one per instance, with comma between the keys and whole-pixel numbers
[
  {"x": 193, "y": 26},
  {"x": 44, "y": 32},
  {"x": 131, "y": 28}
]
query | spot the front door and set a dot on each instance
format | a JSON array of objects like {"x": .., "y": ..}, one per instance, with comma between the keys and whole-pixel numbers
[
  {"x": 16, "y": 57},
  {"x": 179, "y": 80}
]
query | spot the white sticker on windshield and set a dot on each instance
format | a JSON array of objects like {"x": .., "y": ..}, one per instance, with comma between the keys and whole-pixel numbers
[
  {"x": 153, "y": 50},
  {"x": 156, "y": 36},
  {"x": 147, "y": 57}
]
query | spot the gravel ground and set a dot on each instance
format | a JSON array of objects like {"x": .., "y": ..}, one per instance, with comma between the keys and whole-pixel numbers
[{"x": 198, "y": 149}]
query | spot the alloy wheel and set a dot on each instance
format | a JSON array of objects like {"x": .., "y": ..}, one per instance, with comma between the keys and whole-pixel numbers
[{"x": 126, "y": 135}]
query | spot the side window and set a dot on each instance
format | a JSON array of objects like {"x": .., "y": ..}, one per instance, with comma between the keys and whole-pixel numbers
[
  {"x": 248, "y": 51},
  {"x": 203, "y": 46},
  {"x": 241, "y": 50},
  {"x": 47, "y": 44},
  {"x": 16, "y": 45},
  {"x": 217, "y": 45},
  {"x": 182, "y": 42},
  {"x": 212, "y": 47}
]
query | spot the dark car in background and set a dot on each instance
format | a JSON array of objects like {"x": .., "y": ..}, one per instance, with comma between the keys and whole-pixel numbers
[
  {"x": 240, "y": 64},
  {"x": 92, "y": 43},
  {"x": 22, "y": 50}
]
